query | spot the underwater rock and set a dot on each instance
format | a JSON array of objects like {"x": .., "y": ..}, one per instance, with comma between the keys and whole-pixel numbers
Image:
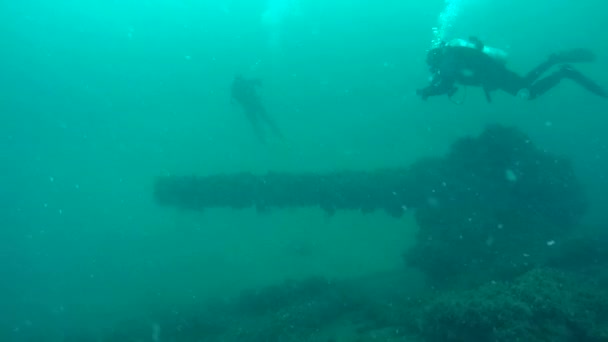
[
  {"x": 498, "y": 205},
  {"x": 541, "y": 305}
]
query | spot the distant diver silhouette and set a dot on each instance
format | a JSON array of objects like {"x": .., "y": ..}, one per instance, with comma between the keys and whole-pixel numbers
[{"x": 244, "y": 92}]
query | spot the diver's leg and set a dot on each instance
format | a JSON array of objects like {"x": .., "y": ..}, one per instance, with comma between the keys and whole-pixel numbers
[
  {"x": 271, "y": 123},
  {"x": 273, "y": 126},
  {"x": 513, "y": 84},
  {"x": 540, "y": 69},
  {"x": 567, "y": 56},
  {"x": 543, "y": 85},
  {"x": 257, "y": 127}
]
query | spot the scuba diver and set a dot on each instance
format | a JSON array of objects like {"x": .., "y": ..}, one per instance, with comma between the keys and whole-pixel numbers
[
  {"x": 244, "y": 91},
  {"x": 471, "y": 63}
]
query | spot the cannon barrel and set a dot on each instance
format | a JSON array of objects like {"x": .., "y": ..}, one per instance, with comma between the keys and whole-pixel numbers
[
  {"x": 500, "y": 172},
  {"x": 486, "y": 210},
  {"x": 365, "y": 191}
]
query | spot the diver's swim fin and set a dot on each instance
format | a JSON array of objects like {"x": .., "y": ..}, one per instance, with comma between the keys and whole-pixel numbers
[
  {"x": 579, "y": 55},
  {"x": 585, "y": 82}
]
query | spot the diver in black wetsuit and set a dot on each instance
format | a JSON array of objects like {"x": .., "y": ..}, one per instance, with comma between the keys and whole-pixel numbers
[
  {"x": 470, "y": 63},
  {"x": 244, "y": 91}
]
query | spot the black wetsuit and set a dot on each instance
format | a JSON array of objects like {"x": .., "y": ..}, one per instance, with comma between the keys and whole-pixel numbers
[
  {"x": 454, "y": 65},
  {"x": 244, "y": 92}
]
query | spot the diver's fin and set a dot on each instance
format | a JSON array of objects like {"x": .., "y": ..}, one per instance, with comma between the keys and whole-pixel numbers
[
  {"x": 579, "y": 55},
  {"x": 584, "y": 81}
]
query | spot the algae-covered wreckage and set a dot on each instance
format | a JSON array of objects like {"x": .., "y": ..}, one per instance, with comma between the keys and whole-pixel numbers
[{"x": 497, "y": 221}]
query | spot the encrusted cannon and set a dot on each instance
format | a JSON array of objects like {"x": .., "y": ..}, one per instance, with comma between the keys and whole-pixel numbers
[{"x": 488, "y": 208}]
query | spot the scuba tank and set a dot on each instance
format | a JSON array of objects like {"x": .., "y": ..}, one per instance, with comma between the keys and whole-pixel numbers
[{"x": 474, "y": 43}]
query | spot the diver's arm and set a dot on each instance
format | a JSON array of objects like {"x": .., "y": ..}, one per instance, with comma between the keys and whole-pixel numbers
[{"x": 441, "y": 87}]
